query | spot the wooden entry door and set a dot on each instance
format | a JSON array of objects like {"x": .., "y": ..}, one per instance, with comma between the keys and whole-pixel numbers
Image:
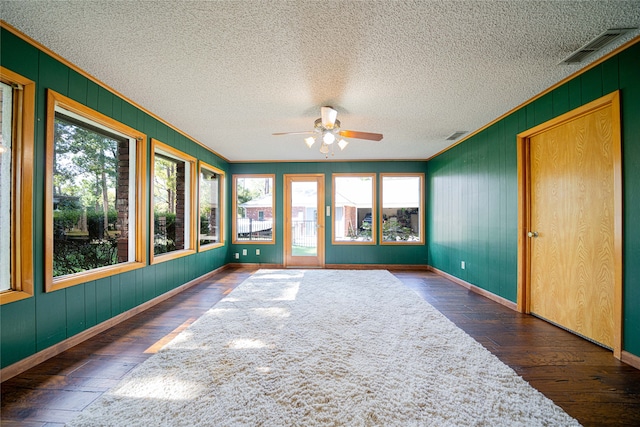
[
  {"x": 304, "y": 232},
  {"x": 572, "y": 226}
]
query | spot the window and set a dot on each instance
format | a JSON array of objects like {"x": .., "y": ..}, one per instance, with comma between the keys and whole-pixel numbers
[
  {"x": 17, "y": 108},
  {"x": 6, "y": 182},
  {"x": 211, "y": 207},
  {"x": 254, "y": 208},
  {"x": 402, "y": 208},
  {"x": 354, "y": 208},
  {"x": 172, "y": 202},
  {"x": 94, "y": 195}
]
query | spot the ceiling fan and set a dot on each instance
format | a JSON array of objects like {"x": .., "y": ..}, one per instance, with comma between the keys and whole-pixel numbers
[{"x": 327, "y": 129}]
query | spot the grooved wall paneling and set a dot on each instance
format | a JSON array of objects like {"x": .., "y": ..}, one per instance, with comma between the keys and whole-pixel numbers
[
  {"x": 629, "y": 70},
  {"x": 76, "y": 317},
  {"x": 460, "y": 228},
  {"x": 33, "y": 324}
]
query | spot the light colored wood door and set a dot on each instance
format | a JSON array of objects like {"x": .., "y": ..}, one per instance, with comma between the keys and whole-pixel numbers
[
  {"x": 572, "y": 258},
  {"x": 304, "y": 220}
]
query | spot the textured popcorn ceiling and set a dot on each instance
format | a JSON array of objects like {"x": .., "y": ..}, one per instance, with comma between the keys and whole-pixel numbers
[{"x": 231, "y": 73}]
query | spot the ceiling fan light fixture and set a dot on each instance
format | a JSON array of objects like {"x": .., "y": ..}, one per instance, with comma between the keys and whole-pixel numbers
[
  {"x": 329, "y": 116},
  {"x": 327, "y": 131},
  {"x": 328, "y": 138}
]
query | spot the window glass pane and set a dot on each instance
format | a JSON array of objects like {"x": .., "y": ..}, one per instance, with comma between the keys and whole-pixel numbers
[
  {"x": 401, "y": 205},
  {"x": 210, "y": 206},
  {"x": 254, "y": 208},
  {"x": 353, "y": 208},
  {"x": 6, "y": 182},
  {"x": 170, "y": 189},
  {"x": 304, "y": 218},
  {"x": 174, "y": 210},
  {"x": 91, "y": 197}
]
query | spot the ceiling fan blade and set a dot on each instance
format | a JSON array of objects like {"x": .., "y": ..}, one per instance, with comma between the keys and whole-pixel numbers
[
  {"x": 361, "y": 135},
  {"x": 293, "y": 133},
  {"x": 329, "y": 116}
]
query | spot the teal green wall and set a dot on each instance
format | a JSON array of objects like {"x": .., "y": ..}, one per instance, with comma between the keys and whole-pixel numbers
[
  {"x": 334, "y": 254},
  {"x": 472, "y": 189},
  {"x": 471, "y": 213},
  {"x": 33, "y": 324},
  {"x": 471, "y": 205}
]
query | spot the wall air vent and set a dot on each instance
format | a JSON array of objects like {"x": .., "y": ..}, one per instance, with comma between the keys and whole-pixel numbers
[
  {"x": 596, "y": 44},
  {"x": 456, "y": 135}
]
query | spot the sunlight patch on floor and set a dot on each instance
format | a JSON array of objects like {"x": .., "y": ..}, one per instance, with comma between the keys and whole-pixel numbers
[
  {"x": 272, "y": 312},
  {"x": 167, "y": 338},
  {"x": 289, "y": 292},
  {"x": 156, "y": 388},
  {"x": 245, "y": 344}
]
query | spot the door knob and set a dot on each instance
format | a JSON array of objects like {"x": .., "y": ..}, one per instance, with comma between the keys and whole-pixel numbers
[{"x": 532, "y": 234}]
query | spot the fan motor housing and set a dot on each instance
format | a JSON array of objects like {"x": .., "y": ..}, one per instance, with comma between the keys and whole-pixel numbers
[{"x": 318, "y": 125}]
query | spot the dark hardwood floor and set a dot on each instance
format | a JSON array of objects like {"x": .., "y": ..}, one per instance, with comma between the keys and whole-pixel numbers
[{"x": 582, "y": 378}]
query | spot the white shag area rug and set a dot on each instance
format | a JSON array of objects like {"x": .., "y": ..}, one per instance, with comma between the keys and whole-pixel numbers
[{"x": 323, "y": 348}]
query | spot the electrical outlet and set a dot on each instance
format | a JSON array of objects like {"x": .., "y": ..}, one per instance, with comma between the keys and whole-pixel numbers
[
  {"x": 244, "y": 252},
  {"x": 237, "y": 255},
  {"x": 257, "y": 251},
  {"x": 462, "y": 265}
]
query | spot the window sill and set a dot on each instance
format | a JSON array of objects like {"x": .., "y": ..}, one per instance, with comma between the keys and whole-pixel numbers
[
  {"x": 253, "y": 242},
  {"x": 402, "y": 242},
  {"x": 13, "y": 296},
  {"x": 204, "y": 248},
  {"x": 87, "y": 276},
  {"x": 157, "y": 259},
  {"x": 353, "y": 242}
]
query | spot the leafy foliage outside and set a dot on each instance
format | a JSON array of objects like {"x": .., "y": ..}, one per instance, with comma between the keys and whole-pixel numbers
[
  {"x": 164, "y": 225},
  {"x": 209, "y": 202},
  {"x": 165, "y": 192},
  {"x": 399, "y": 229},
  {"x": 75, "y": 256},
  {"x": 392, "y": 231}
]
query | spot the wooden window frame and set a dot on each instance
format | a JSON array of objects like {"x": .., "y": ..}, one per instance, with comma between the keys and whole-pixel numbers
[
  {"x": 56, "y": 100},
  {"x": 421, "y": 213},
  {"x": 191, "y": 203},
  {"x": 21, "y": 233},
  {"x": 374, "y": 227},
  {"x": 221, "y": 206},
  {"x": 234, "y": 238}
]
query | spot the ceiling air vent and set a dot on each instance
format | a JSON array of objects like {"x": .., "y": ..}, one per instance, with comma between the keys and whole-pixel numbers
[
  {"x": 596, "y": 44},
  {"x": 456, "y": 135}
]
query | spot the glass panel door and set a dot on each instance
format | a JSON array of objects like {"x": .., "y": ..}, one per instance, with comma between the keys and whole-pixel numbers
[{"x": 304, "y": 228}]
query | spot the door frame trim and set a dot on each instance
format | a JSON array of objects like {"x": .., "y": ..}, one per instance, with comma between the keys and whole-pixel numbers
[
  {"x": 524, "y": 207},
  {"x": 321, "y": 217}
]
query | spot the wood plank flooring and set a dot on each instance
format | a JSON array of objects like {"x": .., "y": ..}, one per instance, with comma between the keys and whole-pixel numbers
[{"x": 582, "y": 378}]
